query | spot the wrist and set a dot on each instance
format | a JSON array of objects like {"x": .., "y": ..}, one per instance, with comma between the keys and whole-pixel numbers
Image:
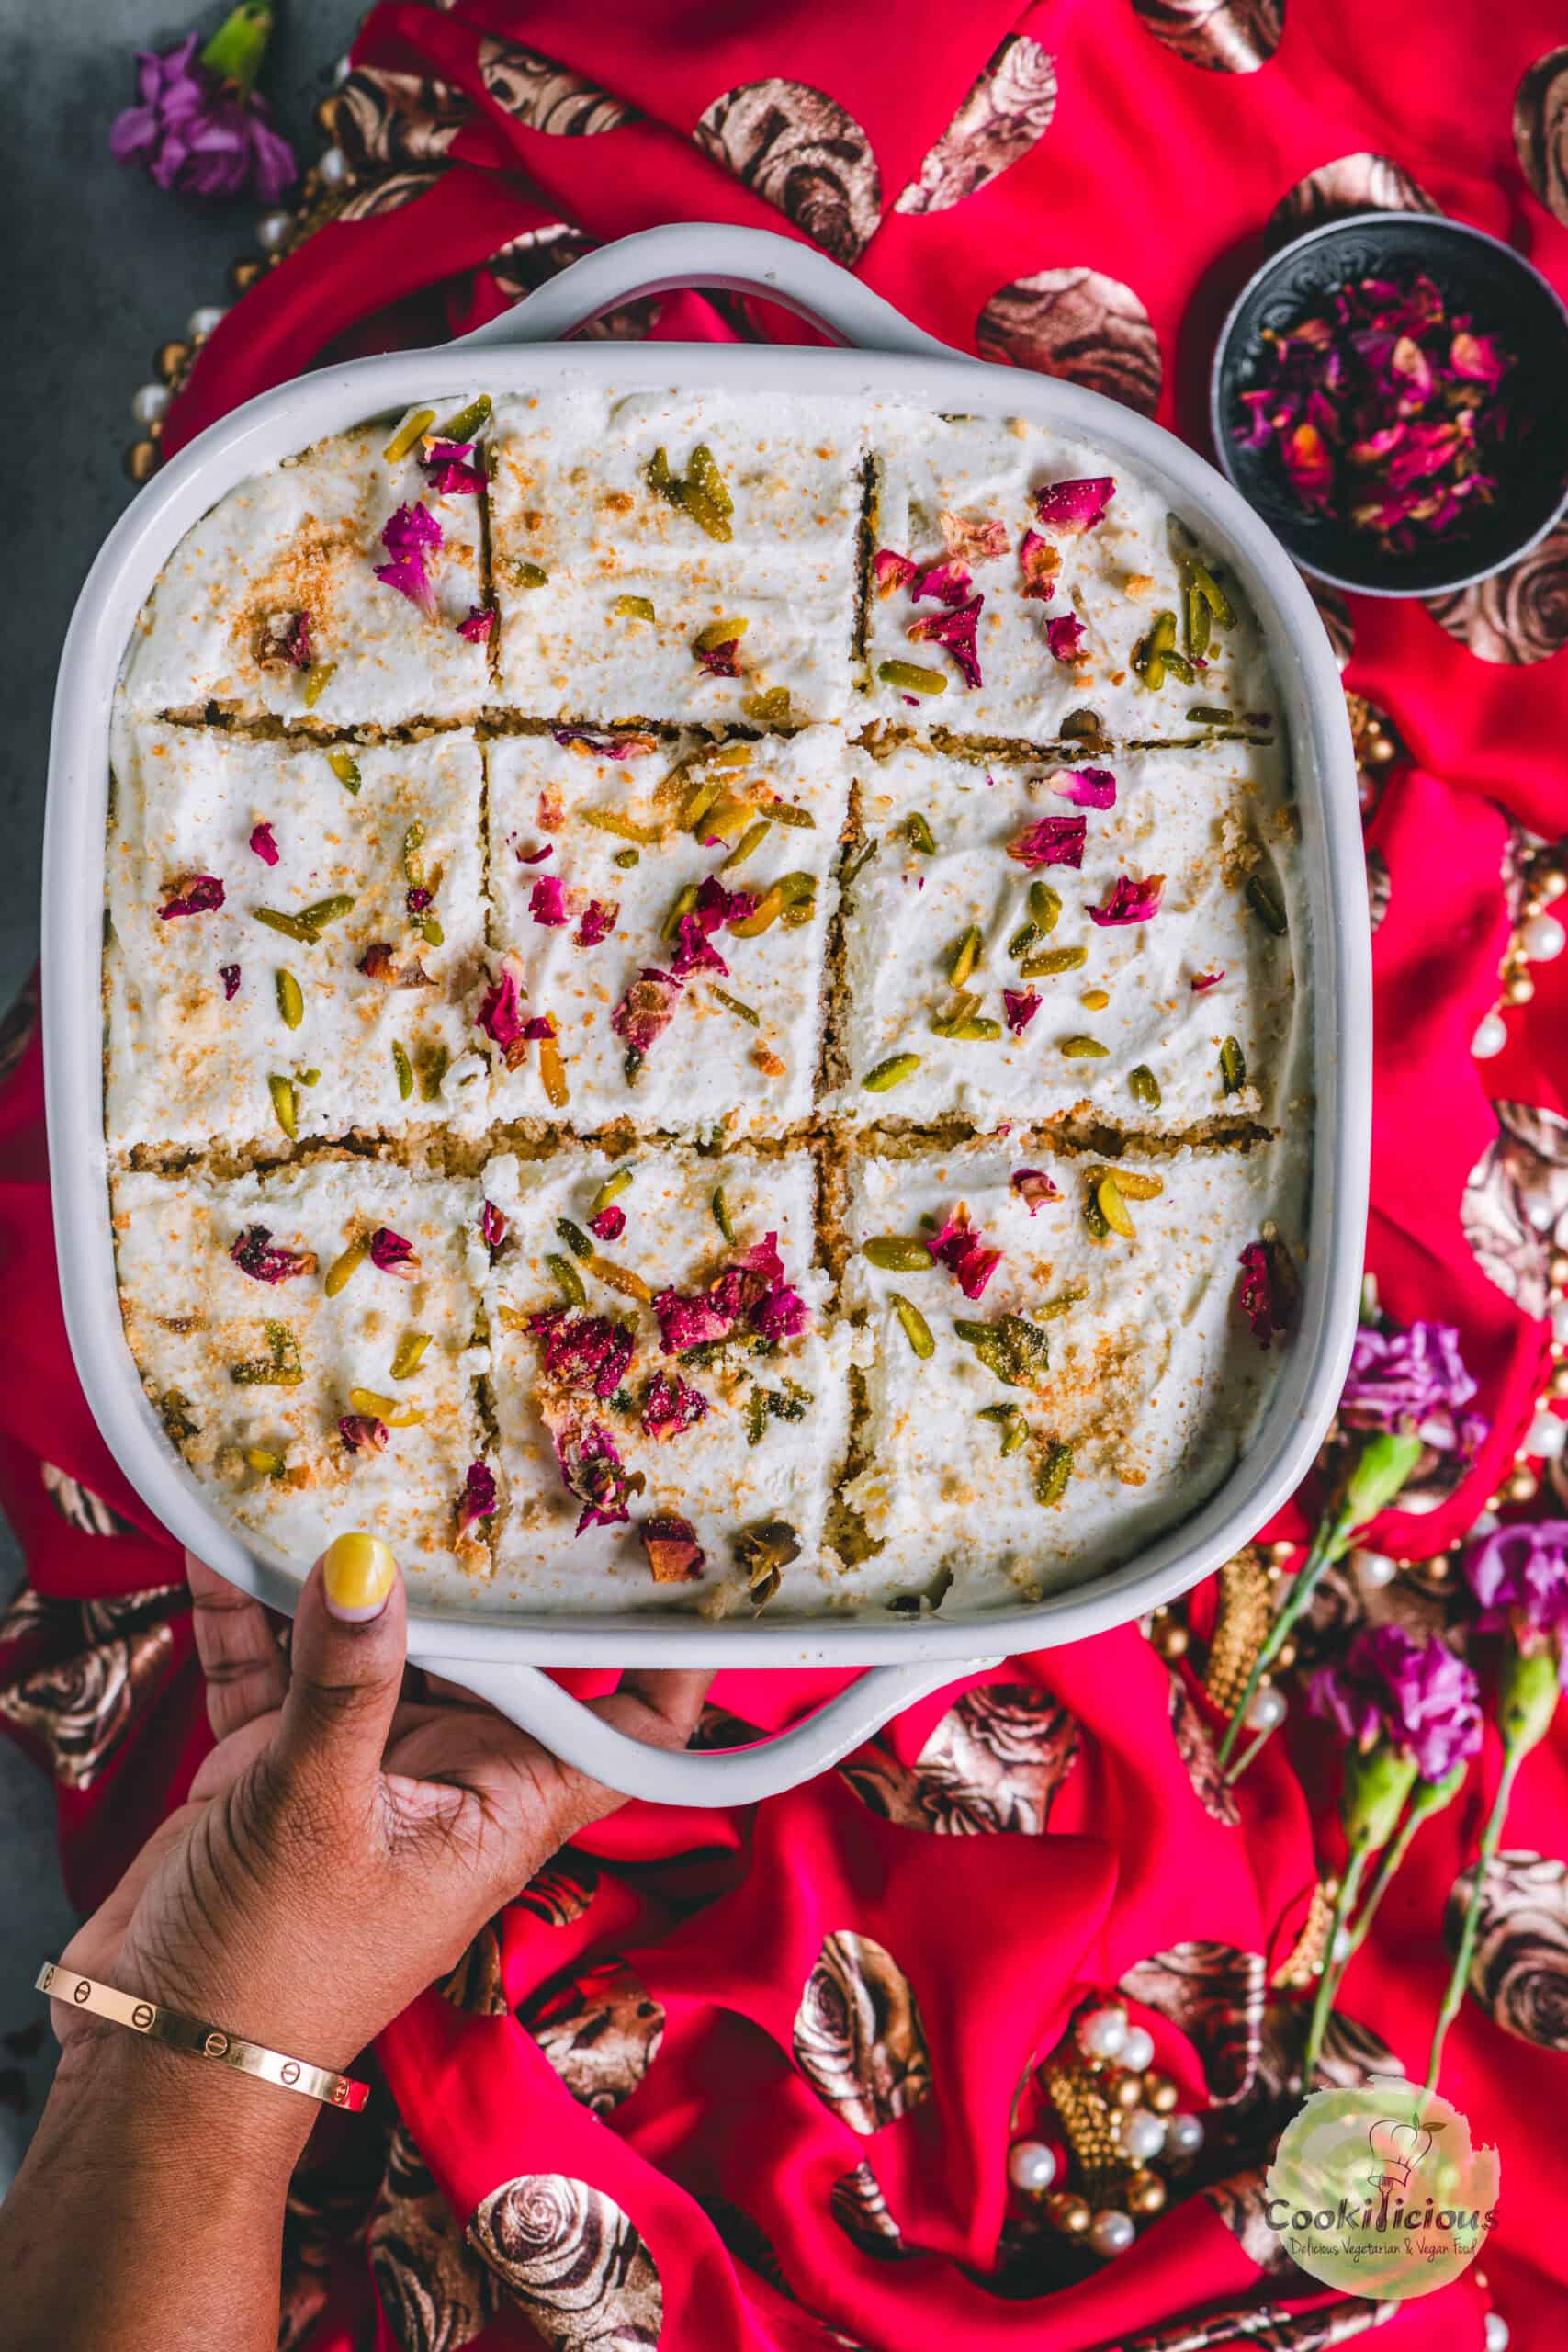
[{"x": 122, "y": 2100}]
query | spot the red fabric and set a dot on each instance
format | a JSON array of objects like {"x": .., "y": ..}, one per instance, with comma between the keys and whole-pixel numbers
[{"x": 1158, "y": 171}]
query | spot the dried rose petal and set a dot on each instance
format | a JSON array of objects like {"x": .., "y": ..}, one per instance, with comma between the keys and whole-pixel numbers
[
  {"x": 719, "y": 661},
  {"x": 538, "y": 1025},
  {"x": 673, "y": 1553},
  {"x": 536, "y": 856},
  {"x": 405, "y": 536},
  {"x": 1064, "y": 636},
  {"x": 892, "y": 570},
  {"x": 599, "y": 919},
  {"x": 609, "y": 747},
  {"x": 590, "y": 1354},
  {"x": 492, "y": 1225},
  {"x": 478, "y": 624},
  {"x": 1039, "y": 562},
  {"x": 689, "y": 1322},
  {"x": 672, "y": 1405},
  {"x": 254, "y": 1254},
  {"x": 1131, "y": 901},
  {"x": 948, "y": 582},
  {"x": 781, "y": 1313},
  {"x": 693, "y": 952},
  {"x": 1034, "y": 1187},
  {"x": 1204, "y": 981},
  {"x": 1087, "y": 788},
  {"x": 1305, "y": 455},
  {"x": 1478, "y": 359},
  {"x": 409, "y": 577},
  {"x": 477, "y": 1500},
  {"x": 230, "y": 976},
  {"x": 1073, "y": 506},
  {"x": 961, "y": 1250},
  {"x": 546, "y": 902},
  {"x": 363, "y": 1433},
  {"x": 647, "y": 1009},
  {"x": 264, "y": 845},
  {"x": 1055, "y": 841},
  {"x": 393, "y": 1254},
  {"x": 501, "y": 1013},
  {"x": 284, "y": 637},
  {"x": 610, "y": 1223},
  {"x": 974, "y": 538},
  {"x": 592, "y": 1469},
  {"x": 418, "y": 899},
  {"x": 1021, "y": 1005},
  {"x": 199, "y": 894},
  {"x": 954, "y": 631},
  {"x": 1254, "y": 1295},
  {"x": 449, "y": 477}
]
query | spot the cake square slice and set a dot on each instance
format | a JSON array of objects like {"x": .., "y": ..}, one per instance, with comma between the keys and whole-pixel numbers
[
  {"x": 270, "y": 606},
  {"x": 307, "y": 1338},
  {"x": 218, "y": 1014},
  {"x": 697, "y": 1379},
  {"x": 628, "y": 530},
  {"x": 1046, "y": 530},
  {"x": 1072, "y": 997},
  {"x": 596, "y": 847},
  {"x": 1039, "y": 1403}
]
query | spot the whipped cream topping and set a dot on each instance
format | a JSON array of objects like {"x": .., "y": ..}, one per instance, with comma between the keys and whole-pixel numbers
[{"x": 203, "y": 1331}]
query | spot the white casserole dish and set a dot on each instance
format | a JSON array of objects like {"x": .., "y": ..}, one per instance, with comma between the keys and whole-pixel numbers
[{"x": 499, "y": 1654}]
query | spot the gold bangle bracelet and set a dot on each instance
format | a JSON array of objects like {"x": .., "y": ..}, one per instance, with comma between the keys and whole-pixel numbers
[{"x": 201, "y": 2040}]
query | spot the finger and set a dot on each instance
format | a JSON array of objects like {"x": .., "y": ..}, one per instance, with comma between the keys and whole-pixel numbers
[
  {"x": 659, "y": 1705},
  {"x": 350, "y": 1636},
  {"x": 244, "y": 1668}
]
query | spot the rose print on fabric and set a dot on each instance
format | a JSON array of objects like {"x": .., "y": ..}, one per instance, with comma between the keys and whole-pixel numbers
[
  {"x": 434, "y": 2294},
  {"x": 562, "y": 1891},
  {"x": 859, "y": 2207},
  {"x": 536, "y": 255},
  {"x": 386, "y": 196},
  {"x": 800, "y": 151},
  {"x": 747, "y": 2239},
  {"x": 1540, "y": 129},
  {"x": 1006, "y": 111},
  {"x": 385, "y": 119},
  {"x": 1518, "y": 616},
  {"x": 547, "y": 97},
  {"x": 1359, "y": 183},
  {"x": 601, "y": 2034},
  {"x": 993, "y": 1763},
  {"x": 1514, "y": 1212},
  {"x": 1222, "y": 36},
  {"x": 474, "y": 1984},
  {"x": 1335, "y": 614},
  {"x": 1080, "y": 326},
  {"x": 81, "y": 1705},
  {"x": 1379, "y": 887},
  {"x": 859, "y": 2039},
  {"x": 1214, "y": 1994},
  {"x": 1269, "y": 2326},
  {"x": 1196, "y": 1750},
  {"x": 1519, "y": 1972},
  {"x": 1240, "y": 2202},
  {"x": 570, "y": 2257},
  {"x": 78, "y": 1505}
]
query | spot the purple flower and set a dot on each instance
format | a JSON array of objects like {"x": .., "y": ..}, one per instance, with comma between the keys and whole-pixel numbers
[
  {"x": 1520, "y": 1574},
  {"x": 1418, "y": 1694},
  {"x": 1414, "y": 1381},
  {"x": 201, "y": 128}
]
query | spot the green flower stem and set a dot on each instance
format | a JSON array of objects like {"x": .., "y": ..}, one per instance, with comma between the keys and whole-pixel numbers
[
  {"x": 1328, "y": 1983},
  {"x": 1459, "y": 1975},
  {"x": 235, "y": 51},
  {"x": 1332, "y": 1538},
  {"x": 1428, "y": 1797}
]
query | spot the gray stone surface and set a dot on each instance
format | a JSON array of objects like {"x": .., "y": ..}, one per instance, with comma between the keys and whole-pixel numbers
[{"x": 99, "y": 268}]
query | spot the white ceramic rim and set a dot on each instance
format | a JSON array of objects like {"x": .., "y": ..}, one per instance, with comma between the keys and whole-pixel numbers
[
  {"x": 916, "y": 1653},
  {"x": 1220, "y": 428}
]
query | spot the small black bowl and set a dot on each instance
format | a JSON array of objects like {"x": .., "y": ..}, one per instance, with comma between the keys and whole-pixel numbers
[{"x": 1508, "y": 297}]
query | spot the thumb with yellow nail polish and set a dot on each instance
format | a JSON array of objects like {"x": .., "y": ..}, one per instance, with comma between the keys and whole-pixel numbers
[
  {"x": 346, "y": 1664},
  {"x": 358, "y": 1574}
]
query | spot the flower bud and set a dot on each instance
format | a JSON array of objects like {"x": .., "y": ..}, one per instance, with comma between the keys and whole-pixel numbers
[
  {"x": 1526, "y": 1695},
  {"x": 1380, "y": 1470},
  {"x": 1377, "y": 1781}
]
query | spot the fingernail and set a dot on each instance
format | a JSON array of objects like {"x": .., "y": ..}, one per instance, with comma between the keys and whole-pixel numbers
[{"x": 356, "y": 1576}]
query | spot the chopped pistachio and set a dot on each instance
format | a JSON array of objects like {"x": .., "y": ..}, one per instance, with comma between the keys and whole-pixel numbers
[
  {"x": 576, "y": 1241},
  {"x": 1145, "y": 1086},
  {"x": 1113, "y": 1208},
  {"x": 291, "y": 926},
  {"x": 1199, "y": 622},
  {"x": 1095, "y": 1000},
  {"x": 1051, "y": 961},
  {"x": 1085, "y": 726},
  {"x": 968, "y": 1028},
  {"x": 742, "y": 1011},
  {"x": 720, "y": 1209},
  {"x": 466, "y": 422},
  {"x": 798, "y": 899},
  {"x": 762, "y": 1552},
  {"x": 1011, "y": 1423},
  {"x": 895, "y": 1254},
  {"x": 913, "y": 1325},
  {"x": 1210, "y": 714},
  {"x": 528, "y": 575},
  {"x": 1233, "y": 1067},
  {"x": 432, "y": 1071},
  {"x": 552, "y": 1070},
  {"x": 385, "y": 1409},
  {"x": 284, "y": 1103},
  {"x": 568, "y": 1281},
  {"x": 402, "y": 1068},
  {"x": 266, "y": 1463},
  {"x": 1137, "y": 1187},
  {"x": 1082, "y": 1050},
  {"x": 325, "y": 910},
  {"x": 910, "y": 678},
  {"x": 430, "y": 931},
  {"x": 627, "y": 858},
  {"x": 1026, "y": 937},
  {"x": 1074, "y": 1296},
  {"x": 290, "y": 998},
  {"x": 680, "y": 906},
  {"x": 346, "y": 1264},
  {"x": 768, "y": 710},
  {"x": 1044, "y": 903},
  {"x": 1094, "y": 1216},
  {"x": 410, "y": 1355},
  {"x": 718, "y": 633},
  {"x": 615, "y": 1184},
  {"x": 966, "y": 954},
  {"x": 1055, "y": 1469},
  {"x": 1014, "y": 1349},
  {"x": 413, "y": 842},
  {"x": 413, "y": 428},
  {"x": 318, "y": 678},
  {"x": 919, "y": 834},
  {"x": 625, "y": 828},
  {"x": 345, "y": 767},
  {"x": 750, "y": 840},
  {"x": 699, "y": 800},
  {"x": 1266, "y": 906},
  {"x": 621, "y": 1278},
  {"x": 787, "y": 812},
  {"x": 1151, "y": 658},
  {"x": 1212, "y": 594},
  {"x": 279, "y": 1368},
  {"x": 890, "y": 1073},
  {"x": 178, "y": 1427},
  {"x": 855, "y": 866}
]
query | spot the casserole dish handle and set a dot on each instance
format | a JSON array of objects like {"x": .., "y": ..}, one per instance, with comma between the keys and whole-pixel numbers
[
  {"x": 692, "y": 254},
  {"x": 525, "y": 1695}
]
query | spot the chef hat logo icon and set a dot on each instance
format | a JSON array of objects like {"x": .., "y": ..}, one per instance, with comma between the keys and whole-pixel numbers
[{"x": 1399, "y": 2146}]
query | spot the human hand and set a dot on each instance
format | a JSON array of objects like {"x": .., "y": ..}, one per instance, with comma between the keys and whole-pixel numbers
[{"x": 341, "y": 1846}]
